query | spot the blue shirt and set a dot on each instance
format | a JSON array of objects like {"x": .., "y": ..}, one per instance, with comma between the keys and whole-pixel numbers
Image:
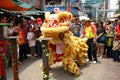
[{"x": 77, "y": 29}]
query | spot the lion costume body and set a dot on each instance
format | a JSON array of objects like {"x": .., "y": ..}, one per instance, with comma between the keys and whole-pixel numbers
[{"x": 64, "y": 46}]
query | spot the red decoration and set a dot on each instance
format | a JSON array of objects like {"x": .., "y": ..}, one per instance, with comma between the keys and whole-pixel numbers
[
  {"x": 58, "y": 57},
  {"x": 69, "y": 17},
  {"x": 39, "y": 20},
  {"x": 56, "y": 22},
  {"x": 53, "y": 47},
  {"x": 45, "y": 20},
  {"x": 2, "y": 66},
  {"x": 3, "y": 46},
  {"x": 2, "y": 55}
]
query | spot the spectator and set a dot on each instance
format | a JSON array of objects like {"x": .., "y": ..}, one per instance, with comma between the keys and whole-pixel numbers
[
  {"x": 31, "y": 41},
  {"x": 114, "y": 24},
  {"x": 3, "y": 19},
  {"x": 90, "y": 33},
  {"x": 10, "y": 28},
  {"x": 76, "y": 27},
  {"x": 116, "y": 52},
  {"x": 21, "y": 41},
  {"x": 109, "y": 41},
  {"x": 33, "y": 22},
  {"x": 101, "y": 38},
  {"x": 25, "y": 31},
  {"x": 38, "y": 43}
]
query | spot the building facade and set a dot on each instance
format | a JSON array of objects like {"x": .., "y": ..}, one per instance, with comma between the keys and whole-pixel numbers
[
  {"x": 37, "y": 4},
  {"x": 112, "y": 5},
  {"x": 72, "y": 6}
]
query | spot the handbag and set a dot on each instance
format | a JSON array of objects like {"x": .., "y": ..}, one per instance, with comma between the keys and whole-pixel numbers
[
  {"x": 116, "y": 45},
  {"x": 102, "y": 38}
]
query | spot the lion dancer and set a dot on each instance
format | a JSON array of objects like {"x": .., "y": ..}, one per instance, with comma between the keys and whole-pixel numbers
[
  {"x": 60, "y": 55},
  {"x": 64, "y": 46},
  {"x": 59, "y": 48}
]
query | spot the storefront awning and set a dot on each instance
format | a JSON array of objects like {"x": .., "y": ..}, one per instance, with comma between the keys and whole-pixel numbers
[
  {"x": 14, "y": 5},
  {"x": 33, "y": 12}
]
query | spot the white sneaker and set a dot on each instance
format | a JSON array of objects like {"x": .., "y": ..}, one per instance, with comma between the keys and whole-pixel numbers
[
  {"x": 94, "y": 62},
  {"x": 118, "y": 64}
]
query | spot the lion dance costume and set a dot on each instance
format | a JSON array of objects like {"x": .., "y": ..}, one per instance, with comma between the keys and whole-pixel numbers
[{"x": 64, "y": 46}]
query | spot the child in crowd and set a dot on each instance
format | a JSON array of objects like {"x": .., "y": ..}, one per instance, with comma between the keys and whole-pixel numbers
[
  {"x": 31, "y": 41},
  {"x": 109, "y": 41}
]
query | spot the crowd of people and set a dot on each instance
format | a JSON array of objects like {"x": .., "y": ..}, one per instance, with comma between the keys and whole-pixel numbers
[
  {"x": 103, "y": 36},
  {"x": 27, "y": 30}
]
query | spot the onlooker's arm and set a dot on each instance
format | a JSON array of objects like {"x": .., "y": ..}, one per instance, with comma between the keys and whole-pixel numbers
[
  {"x": 83, "y": 33},
  {"x": 100, "y": 35},
  {"x": 95, "y": 33}
]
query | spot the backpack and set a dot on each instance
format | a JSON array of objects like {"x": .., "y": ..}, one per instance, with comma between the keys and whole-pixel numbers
[{"x": 116, "y": 45}]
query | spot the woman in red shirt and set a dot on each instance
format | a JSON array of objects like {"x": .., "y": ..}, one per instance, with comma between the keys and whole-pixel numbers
[{"x": 116, "y": 44}]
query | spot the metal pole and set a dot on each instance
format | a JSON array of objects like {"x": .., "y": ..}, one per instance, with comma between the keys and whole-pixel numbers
[
  {"x": 96, "y": 13},
  {"x": 45, "y": 58},
  {"x": 119, "y": 4}
]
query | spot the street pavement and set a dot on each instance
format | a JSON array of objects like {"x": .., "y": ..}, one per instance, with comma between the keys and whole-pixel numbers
[{"x": 105, "y": 69}]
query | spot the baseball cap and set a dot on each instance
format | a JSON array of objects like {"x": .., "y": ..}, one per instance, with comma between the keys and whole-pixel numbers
[
  {"x": 87, "y": 19},
  {"x": 39, "y": 20}
]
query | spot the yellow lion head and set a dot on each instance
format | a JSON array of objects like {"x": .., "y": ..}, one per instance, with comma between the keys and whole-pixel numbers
[{"x": 55, "y": 24}]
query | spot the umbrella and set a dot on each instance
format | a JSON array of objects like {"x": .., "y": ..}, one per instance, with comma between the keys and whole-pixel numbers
[
  {"x": 115, "y": 15},
  {"x": 112, "y": 19}
]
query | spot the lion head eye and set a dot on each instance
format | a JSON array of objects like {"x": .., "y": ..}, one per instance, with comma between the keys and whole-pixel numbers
[
  {"x": 55, "y": 21},
  {"x": 62, "y": 20}
]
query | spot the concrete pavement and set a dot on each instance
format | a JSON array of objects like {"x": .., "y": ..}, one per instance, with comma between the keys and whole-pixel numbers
[{"x": 105, "y": 69}]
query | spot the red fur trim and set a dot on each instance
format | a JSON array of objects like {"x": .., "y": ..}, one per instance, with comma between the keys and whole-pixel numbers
[
  {"x": 52, "y": 46},
  {"x": 58, "y": 59},
  {"x": 3, "y": 46},
  {"x": 2, "y": 71}
]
